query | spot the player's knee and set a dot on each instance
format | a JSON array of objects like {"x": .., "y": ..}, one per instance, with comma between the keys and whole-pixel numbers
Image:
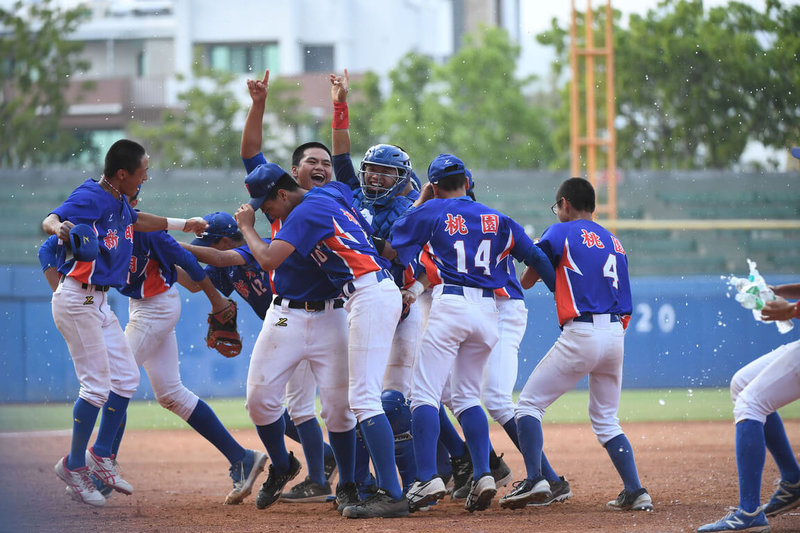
[
  {"x": 500, "y": 409},
  {"x": 746, "y": 409},
  {"x": 181, "y": 402},
  {"x": 738, "y": 383},
  {"x": 397, "y": 411},
  {"x": 96, "y": 398}
]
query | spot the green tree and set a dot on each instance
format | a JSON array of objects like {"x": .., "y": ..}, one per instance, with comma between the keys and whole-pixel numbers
[
  {"x": 200, "y": 134},
  {"x": 37, "y": 63},
  {"x": 693, "y": 86}
]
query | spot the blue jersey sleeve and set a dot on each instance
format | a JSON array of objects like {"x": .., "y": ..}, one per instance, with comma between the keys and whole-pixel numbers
[
  {"x": 412, "y": 230},
  {"x": 48, "y": 253},
  {"x": 169, "y": 252},
  {"x": 252, "y": 162},
  {"x": 219, "y": 278},
  {"x": 344, "y": 171}
]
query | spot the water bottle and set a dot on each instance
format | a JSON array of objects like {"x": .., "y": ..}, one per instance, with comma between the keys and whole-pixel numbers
[{"x": 753, "y": 292}]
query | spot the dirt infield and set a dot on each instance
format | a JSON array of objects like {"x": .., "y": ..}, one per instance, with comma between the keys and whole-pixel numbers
[{"x": 181, "y": 480}]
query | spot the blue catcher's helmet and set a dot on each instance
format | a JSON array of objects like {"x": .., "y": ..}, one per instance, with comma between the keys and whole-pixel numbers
[
  {"x": 390, "y": 183},
  {"x": 397, "y": 410}
]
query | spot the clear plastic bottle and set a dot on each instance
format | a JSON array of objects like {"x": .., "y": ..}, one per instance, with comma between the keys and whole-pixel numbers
[{"x": 753, "y": 292}]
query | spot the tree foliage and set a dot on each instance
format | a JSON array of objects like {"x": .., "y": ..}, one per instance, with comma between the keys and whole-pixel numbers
[
  {"x": 37, "y": 63},
  {"x": 694, "y": 85},
  {"x": 201, "y": 133}
]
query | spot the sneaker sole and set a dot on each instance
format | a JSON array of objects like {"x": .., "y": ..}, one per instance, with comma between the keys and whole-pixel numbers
[
  {"x": 247, "y": 489},
  {"x": 784, "y": 509},
  {"x": 311, "y": 499},
  {"x": 75, "y": 495},
  {"x": 426, "y": 501},
  {"x": 556, "y": 499},
  {"x": 484, "y": 500},
  {"x": 534, "y": 498}
]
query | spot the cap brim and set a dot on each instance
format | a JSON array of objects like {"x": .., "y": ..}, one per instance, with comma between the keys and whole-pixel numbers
[
  {"x": 256, "y": 203},
  {"x": 796, "y": 152},
  {"x": 200, "y": 241}
]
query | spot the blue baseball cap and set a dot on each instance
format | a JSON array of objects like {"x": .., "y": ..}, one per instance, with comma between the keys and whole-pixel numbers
[
  {"x": 220, "y": 225},
  {"x": 796, "y": 152},
  {"x": 83, "y": 241},
  {"x": 445, "y": 165},
  {"x": 261, "y": 180}
]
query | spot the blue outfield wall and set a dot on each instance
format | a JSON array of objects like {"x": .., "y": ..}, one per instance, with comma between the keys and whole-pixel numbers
[{"x": 685, "y": 333}]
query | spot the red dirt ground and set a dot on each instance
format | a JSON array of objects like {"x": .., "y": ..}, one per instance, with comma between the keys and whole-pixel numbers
[{"x": 181, "y": 480}]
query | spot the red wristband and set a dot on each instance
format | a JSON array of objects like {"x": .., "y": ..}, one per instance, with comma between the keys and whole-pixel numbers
[
  {"x": 341, "y": 116},
  {"x": 797, "y": 309}
]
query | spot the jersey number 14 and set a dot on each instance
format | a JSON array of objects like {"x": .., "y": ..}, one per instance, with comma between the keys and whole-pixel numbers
[
  {"x": 481, "y": 260},
  {"x": 610, "y": 270}
]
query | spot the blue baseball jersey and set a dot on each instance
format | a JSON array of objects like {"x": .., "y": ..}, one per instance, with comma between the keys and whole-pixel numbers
[
  {"x": 248, "y": 280},
  {"x": 468, "y": 242},
  {"x": 591, "y": 269},
  {"x": 112, "y": 221},
  {"x": 48, "y": 253},
  {"x": 152, "y": 266},
  {"x": 326, "y": 228}
]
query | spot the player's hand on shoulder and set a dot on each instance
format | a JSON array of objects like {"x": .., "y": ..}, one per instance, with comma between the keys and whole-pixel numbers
[
  {"x": 245, "y": 216},
  {"x": 340, "y": 85}
]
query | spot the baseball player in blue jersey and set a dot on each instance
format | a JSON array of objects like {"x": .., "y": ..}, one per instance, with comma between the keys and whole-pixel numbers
[
  {"x": 758, "y": 390},
  {"x": 104, "y": 363},
  {"x": 593, "y": 301},
  {"x": 311, "y": 167},
  {"x": 469, "y": 242},
  {"x": 322, "y": 225},
  {"x": 231, "y": 267}
]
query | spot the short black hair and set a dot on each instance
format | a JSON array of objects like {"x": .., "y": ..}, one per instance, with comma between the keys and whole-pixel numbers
[
  {"x": 123, "y": 155},
  {"x": 300, "y": 151},
  {"x": 285, "y": 182},
  {"x": 452, "y": 182},
  {"x": 579, "y": 192}
]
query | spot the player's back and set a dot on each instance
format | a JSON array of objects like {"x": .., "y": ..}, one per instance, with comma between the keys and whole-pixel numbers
[{"x": 591, "y": 269}]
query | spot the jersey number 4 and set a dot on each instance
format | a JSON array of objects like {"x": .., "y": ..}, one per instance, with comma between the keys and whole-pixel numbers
[
  {"x": 610, "y": 270},
  {"x": 481, "y": 260}
]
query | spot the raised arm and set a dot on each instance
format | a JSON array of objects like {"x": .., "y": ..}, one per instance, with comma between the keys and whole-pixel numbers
[
  {"x": 253, "y": 124},
  {"x": 340, "y": 134}
]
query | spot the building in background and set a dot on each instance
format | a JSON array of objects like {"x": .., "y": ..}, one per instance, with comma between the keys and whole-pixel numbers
[{"x": 142, "y": 51}]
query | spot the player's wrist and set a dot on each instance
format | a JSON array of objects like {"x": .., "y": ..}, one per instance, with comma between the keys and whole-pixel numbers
[
  {"x": 341, "y": 116},
  {"x": 796, "y": 311},
  {"x": 416, "y": 289},
  {"x": 176, "y": 224}
]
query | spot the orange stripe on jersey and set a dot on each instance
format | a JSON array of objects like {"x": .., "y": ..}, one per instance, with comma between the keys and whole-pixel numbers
[
  {"x": 358, "y": 263},
  {"x": 431, "y": 270},
  {"x": 408, "y": 277},
  {"x": 565, "y": 300},
  {"x": 82, "y": 271},
  {"x": 154, "y": 282},
  {"x": 502, "y": 292},
  {"x": 507, "y": 249}
]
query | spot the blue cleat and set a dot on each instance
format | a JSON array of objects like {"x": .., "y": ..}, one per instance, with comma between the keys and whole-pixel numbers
[
  {"x": 785, "y": 498},
  {"x": 739, "y": 520}
]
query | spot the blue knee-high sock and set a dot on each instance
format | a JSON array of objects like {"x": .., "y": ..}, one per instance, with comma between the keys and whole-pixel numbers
[
  {"x": 120, "y": 434},
  {"x": 380, "y": 442},
  {"x": 511, "y": 431},
  {"x": 547, "y": 470},
  {"x": 343, "y": 447},
  {"x": 449, "y": 436},
  {"x": 311, "y": 439},
  {"x": 110, "y": 418},
  {"x": 780, "y": 449},
  {"x": 205, "y": 421},
  {"x": 531, "y": 441},
  {"x": 620, "y": 451},
  {"x": 272, "y": 437},
  {"x": 84, "y": 416},
  {"x": 476, "y": 432},
  {"x": 290, "y": 429},
  {"x": 751, "y": 452},
  {"x": 362, "y": 471},
  {"x": 443, "y": 466},
  {"x": 425, "y": 428}
]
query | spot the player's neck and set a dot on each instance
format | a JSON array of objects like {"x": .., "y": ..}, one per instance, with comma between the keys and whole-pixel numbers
[{"x": 109, "y": 188}]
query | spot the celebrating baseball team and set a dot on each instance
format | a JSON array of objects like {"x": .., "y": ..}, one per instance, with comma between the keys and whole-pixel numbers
[{"x": 395, "y": 302}]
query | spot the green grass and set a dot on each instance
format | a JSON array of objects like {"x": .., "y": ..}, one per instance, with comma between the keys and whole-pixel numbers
[{"x": 636, "y": 405}]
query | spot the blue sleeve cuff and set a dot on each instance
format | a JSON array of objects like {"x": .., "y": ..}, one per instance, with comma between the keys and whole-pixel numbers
[{"x": 537, "y": 260}]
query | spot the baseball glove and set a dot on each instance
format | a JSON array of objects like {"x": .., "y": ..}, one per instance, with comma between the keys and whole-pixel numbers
[{"x": 222, "y": 333}]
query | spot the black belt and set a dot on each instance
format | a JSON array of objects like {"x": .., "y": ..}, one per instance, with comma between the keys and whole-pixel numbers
[
  {"x": 589, "y": 317},
  {"x": 318, "y": 305},
  {"x": 459, "y": 290},
  {"x": 85, "y": 286}
]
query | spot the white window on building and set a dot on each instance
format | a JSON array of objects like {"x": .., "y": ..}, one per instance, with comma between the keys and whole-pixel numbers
[
  {"x": 317, "y": 58},
  {"x": 243, "y": 59}
]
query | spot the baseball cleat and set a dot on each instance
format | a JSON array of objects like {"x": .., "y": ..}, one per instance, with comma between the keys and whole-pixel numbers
[
  {"x": 526, "y": 491},
  {"x": 785, "y": 498},
  {"x": 330, "y": 468},
  {"x": 638, "y": 500},
  {"x": 422, "y": 494},
  {"x": 481, "y": 494},
  {"x": 307, "y": 491},
  {"x": 346, "y": 495},
  {"x": 739, "y": 520},
  {"x": 559, "y": 492},
  {"x": 105, "y": 469},
  {"x": 79, "y": 486},
  {"x": 244, "y": 474},
  {"x": 462, "y": 476},
  {"x": 271, "y": 489},
  {"x": 501, "y": 472},
  {"x": 379, "y": 505}
]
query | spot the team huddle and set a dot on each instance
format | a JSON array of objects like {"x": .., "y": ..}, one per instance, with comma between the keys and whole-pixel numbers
[{"x": 396, "y": 302}]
